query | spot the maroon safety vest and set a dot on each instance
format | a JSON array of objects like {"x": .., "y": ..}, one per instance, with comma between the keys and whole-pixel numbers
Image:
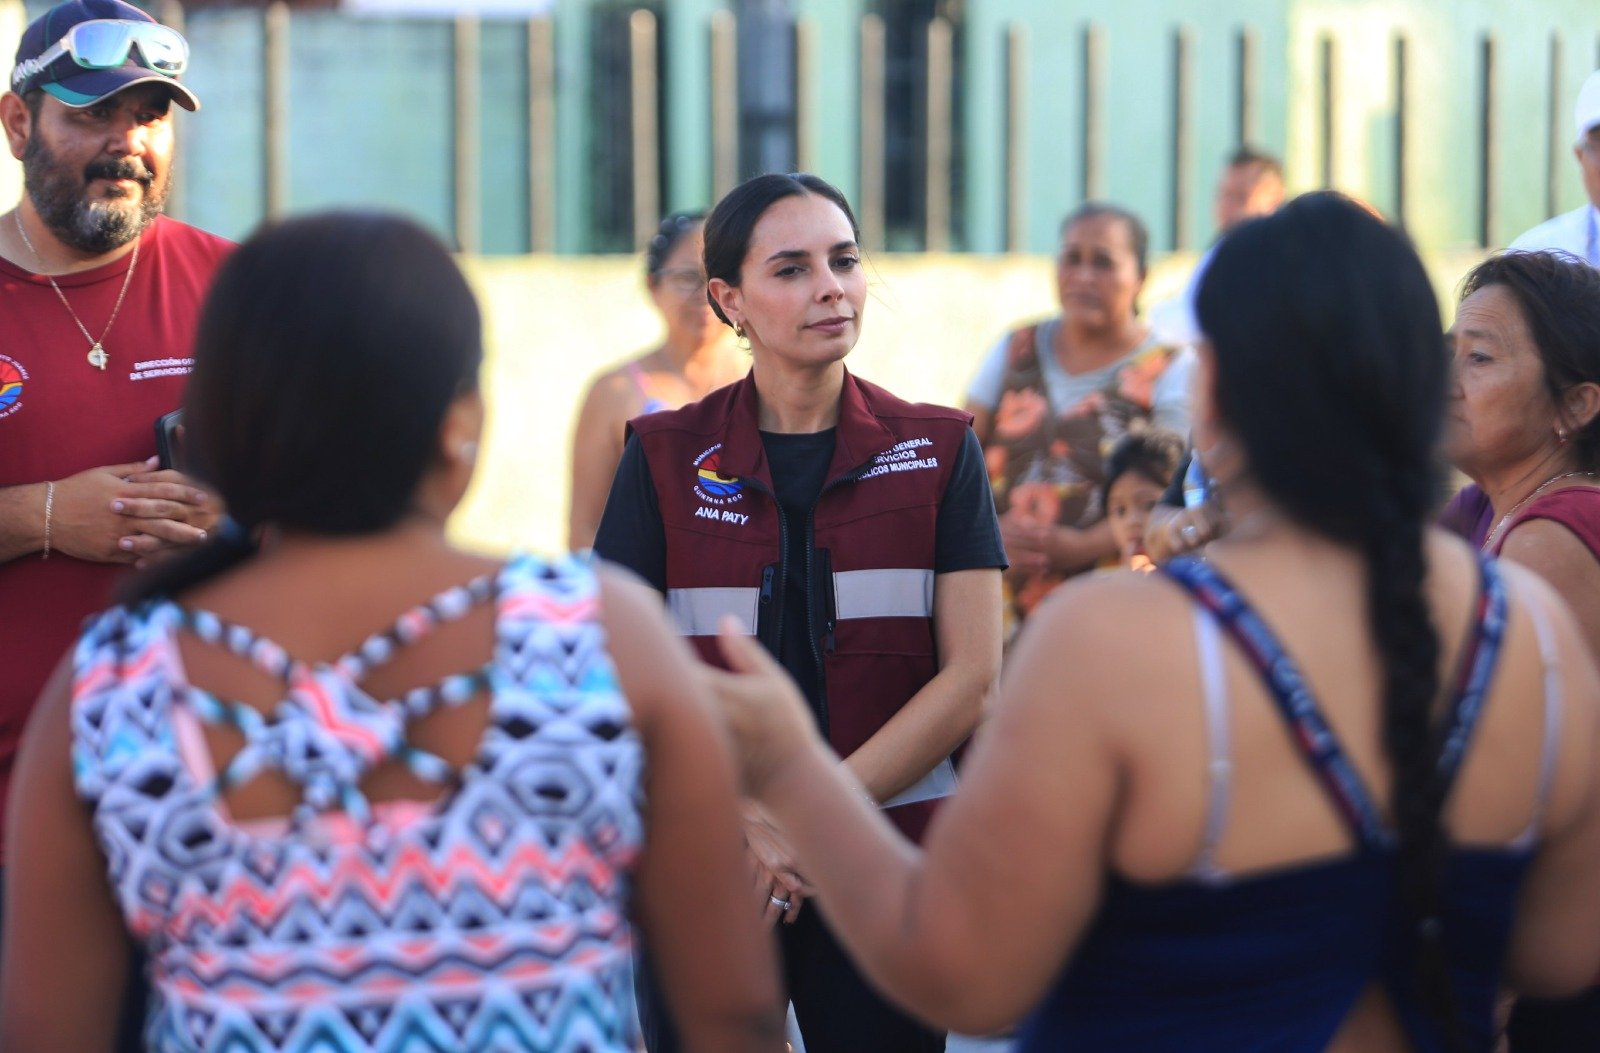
[{"x": 871, "y": 608}]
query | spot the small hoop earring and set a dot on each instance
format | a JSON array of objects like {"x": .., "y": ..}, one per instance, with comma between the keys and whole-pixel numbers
[
  {"x": 738, "y": 330},
  {"x": 1561, "y": 435}
]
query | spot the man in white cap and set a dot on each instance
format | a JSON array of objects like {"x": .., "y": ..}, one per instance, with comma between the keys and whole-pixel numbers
[
  {"x": 99, "y": 297},
  {"x": 1578, "y": 231}
]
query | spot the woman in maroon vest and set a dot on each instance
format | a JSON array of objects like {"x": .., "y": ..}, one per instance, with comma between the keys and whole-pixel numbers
[
  {"x": 852, "y": 532},
  {"x": 1525, "y": 427}
]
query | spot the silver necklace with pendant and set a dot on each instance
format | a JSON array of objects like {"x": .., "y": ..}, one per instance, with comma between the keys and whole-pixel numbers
[
  {"x": 1494, "y": 535},
  {"x": 97, "y": 352}
]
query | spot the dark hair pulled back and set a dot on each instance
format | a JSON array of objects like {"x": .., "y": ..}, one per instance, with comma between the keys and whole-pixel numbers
[
  {"x": 1248, "y": 156},
  {"x": 734, "y": 219},
  {"x": 1331, "y": 375},
  {"x": 1153, "y": 453},
  {"x": 327, "y": 353},
  {"x": 1559, "y": 298},
  {"x": 672, "y": 230},
  {"x": 1138, "y": 233}
]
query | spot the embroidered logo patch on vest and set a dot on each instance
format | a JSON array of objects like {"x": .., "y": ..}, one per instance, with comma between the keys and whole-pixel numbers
[
  {"x": 709, "y": 485},
  {"x": 12, "y": 377},
  {"x": 903, "y": 457}
]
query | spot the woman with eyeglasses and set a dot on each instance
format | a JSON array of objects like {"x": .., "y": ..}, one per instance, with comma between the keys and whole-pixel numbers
[{"x": 695, "y": 357}]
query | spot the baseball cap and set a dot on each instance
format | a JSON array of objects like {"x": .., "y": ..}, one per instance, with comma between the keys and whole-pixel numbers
[
  {"x": 1586, "y": 114},
  {"x": 149, "y": 53}
]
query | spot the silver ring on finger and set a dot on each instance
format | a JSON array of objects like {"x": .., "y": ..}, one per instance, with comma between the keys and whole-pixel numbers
[{"x": 781, "y": 904}]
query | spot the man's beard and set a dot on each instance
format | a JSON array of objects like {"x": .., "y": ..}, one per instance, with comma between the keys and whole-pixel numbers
[{"x": 91, "y": 227}]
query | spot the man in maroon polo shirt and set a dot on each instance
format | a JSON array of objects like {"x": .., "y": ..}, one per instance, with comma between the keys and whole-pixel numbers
[{"x": 99, "y": 296}]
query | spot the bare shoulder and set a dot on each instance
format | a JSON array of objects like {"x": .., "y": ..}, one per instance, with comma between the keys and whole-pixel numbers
[
  {"x": 614, "y": 387},
  {"x": 1565, "y": 653},
  {"x": 1530, "y": 586},
  {"x": 1452, "y": 573},
  {"x": 1095, "y": 607},
  {"x": 1534, "y": 592},
  {"x": 1106, "y": 634},
  {"x": 1550, "y": 549},
  {"x": 43, "y": 774},
  {"x": 51, "y": 719}
]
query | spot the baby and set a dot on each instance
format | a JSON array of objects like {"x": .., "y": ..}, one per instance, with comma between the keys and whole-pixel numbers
[{"x": 1138, "y": 470}]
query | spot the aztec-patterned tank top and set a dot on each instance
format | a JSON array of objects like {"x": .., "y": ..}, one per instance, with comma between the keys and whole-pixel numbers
[{"x": 491, "y": 919}]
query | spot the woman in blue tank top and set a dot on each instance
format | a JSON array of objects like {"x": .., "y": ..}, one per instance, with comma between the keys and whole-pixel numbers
[{"x": 1327, "y": 787}]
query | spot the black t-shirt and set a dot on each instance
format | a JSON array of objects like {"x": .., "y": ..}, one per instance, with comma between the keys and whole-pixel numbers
[
  {"x": 967, "y": 533},
  {"x": 1172, "y": 496},
  {"x": 799, "y": 466}
]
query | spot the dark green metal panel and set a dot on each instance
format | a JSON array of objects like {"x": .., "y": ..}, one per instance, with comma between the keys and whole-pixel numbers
[{"x": 371, "y": 109}]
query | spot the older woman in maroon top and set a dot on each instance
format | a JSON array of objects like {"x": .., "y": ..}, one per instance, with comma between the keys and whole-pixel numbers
[
  {"x": 1525, "y": 427},
  {"x": 1525, "y": 420}
]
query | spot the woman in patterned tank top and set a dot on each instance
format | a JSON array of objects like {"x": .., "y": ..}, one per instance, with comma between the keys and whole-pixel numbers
[{"x": 348, "y": 787}]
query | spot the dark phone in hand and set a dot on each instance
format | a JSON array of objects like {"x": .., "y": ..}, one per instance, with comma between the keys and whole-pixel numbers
[{"x": 169, "y": 438}]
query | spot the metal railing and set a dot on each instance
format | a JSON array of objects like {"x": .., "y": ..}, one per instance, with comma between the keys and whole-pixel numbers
[{"x": 619, "y": 113}]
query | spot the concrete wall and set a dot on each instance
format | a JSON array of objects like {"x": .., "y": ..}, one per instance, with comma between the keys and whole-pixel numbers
[{"x": 553, "y": 322}]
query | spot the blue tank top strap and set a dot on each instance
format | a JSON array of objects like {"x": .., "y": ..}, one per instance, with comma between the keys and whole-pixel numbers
[
  {"x": 1474, "y": 670},
  {"x": 1311, "y": 733}
]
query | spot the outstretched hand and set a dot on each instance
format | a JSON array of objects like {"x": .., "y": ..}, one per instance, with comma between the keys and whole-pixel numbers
[{"x": 771, "y": 724}]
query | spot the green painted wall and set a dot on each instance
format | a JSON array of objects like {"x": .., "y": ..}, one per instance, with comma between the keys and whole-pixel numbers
[
  {"x": 371, "y": 111},
  {"x": 832, "y": 101},
  {"x": 1137, "y": 108},
  {"x": 1446, "y": 84}
]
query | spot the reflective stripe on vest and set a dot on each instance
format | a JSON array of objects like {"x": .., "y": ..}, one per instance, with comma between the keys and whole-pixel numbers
[
  {"x": 697, "y": 611},
  {"x": 940, "y": 782},
  {"x": 883, "y": 594}
]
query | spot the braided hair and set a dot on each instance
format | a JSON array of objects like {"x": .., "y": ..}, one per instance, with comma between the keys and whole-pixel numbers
[{"x": 1329, "y": 370}]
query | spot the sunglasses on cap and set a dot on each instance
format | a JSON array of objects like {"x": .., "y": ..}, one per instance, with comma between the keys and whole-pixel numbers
[{"x": 107, "y": 43}]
